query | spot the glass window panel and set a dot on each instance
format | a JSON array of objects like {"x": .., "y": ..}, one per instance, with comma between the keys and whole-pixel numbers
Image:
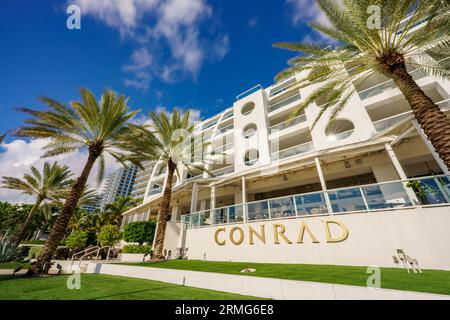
[
  {"x": 429, "y": 192},
  {"x": 195, "y": 219},
  {"x": 283, "y": 207},
  {"x": 236, "y": 214},
  {"x": 220, "y": 216},
  {"x": 258, "y": 210},
  {"x": 347, "y": 200},
  {"x": 313, "y": 203},
  {"x": 387, "y": 195}
]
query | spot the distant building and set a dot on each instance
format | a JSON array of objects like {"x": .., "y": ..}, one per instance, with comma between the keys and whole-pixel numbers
[
  {"x": 141, "y": 181},
  {"x": 94, "y": 205},
  {"x": 119, "y": 183}
]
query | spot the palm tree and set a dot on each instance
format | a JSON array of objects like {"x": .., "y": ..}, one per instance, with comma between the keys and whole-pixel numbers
[
  {"x": 169, "y": 141},
  {"x": 45, "y": 186},
  {"x": 363, "y": 51},
  {"x": 113, "y": 213},
  {"x": 97, "y": 127},
  {"x": 2, "y": 136}
]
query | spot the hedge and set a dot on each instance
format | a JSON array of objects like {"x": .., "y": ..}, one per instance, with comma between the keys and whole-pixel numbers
[
  {"x": 136, "y": 249},
  {"x": 140, "y": 232}
]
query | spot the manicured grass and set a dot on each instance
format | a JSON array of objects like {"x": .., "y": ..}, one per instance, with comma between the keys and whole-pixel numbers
[
  {"x": 433, "y": 281},
  {"x": 104, "y": 287}
]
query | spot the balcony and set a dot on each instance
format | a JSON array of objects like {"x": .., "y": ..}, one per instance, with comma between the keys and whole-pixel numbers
[
  {"x": 249, "y": 92},
  {"x": 393, "y": 195},
  {"x": 387, "y": 85},
  {"x": 288, "y": 123},
  {"x": 280, "y": 104},
  {"x": 383, "y": 124},
  {"x": 222, "y": 171},
  {"x": 444, "y": 105},
  {"x": 155, "y": 191},
  {"x": 224, "y": 130},
  {"x": 293, "y": 151}
]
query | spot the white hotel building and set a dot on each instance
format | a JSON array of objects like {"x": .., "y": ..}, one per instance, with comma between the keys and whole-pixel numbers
[{"x": 338, "y": 193}]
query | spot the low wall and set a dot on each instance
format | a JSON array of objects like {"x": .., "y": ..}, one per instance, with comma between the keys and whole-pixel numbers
[{"x": 372, "y": 239}]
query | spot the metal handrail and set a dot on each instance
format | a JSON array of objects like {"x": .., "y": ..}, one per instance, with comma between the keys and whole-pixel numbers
[
  {"x": 84, "y": 251},
  {"x": 98, "y": 252}
]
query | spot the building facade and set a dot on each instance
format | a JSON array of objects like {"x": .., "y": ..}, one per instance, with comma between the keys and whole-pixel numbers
[
  {"x": 351, "y": 191},
  {"x": 141, "y": 181},
  {"x": 119, "y": 183}
]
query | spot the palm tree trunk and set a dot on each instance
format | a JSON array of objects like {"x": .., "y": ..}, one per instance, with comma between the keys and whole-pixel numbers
[
  {"x": 59, "y": 229},
  {"x": 163, "y": 213},
  {"x": 24, "y": 228},
  {"x": 433, "y": 121}
]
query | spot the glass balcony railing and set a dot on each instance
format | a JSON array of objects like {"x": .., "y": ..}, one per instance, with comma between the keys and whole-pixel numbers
[
  {"x": 288, "y": 123},
  {"x": 249, "y": 92},
  {"x": 387, "y": 85},
  {"x": 280, "y": 104},
  {"x": 293, "y": 151},
  {"x": 222, "y": 171},
  {"x": 444, "y": 105},
  {"x": 383, "y": 124},
  {"x": 223, "y": 130},
  {"x": 393, "y": 195},
  {"x": 155, "y": 191}
]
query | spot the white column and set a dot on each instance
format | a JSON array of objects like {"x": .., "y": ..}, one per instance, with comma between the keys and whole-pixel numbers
[
  {"x": 430, "y": 147},
  {"x": 176, "y": 213},
  {"x": 244, "y": 198},
  {"x": 244, "y": 190},
  {"x": 395, "y": 162},
  {"x": 213, "y": 197},
  {"x": 400, "y": 172},
  {"x": 194, "y": 197},
  {"x": 323, "y": 184}
]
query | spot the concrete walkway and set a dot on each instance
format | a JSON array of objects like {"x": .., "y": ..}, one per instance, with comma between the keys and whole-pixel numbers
[{"x": 278, "y": 289}]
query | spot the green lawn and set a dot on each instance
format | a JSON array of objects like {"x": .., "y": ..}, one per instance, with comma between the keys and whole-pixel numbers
[
  {"x": 432, "y": 281},
  {"x": 104, "y": 287}
]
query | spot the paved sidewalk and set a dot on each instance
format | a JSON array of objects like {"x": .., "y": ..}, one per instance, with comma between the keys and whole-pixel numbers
[{"x": 278, "y": 289}]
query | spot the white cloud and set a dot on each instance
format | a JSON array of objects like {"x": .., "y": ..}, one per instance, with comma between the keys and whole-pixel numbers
[
  {"x": 307, "y": 11},
  {"x": 178, "y": 25},
  {"x": 19, "y": 155}
]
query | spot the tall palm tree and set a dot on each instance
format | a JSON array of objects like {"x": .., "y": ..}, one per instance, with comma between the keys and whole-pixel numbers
[
  {"x": 168, "y": 140},
  {"x": 392, "y": 50},
  {"x": 45, "y": 186},
  {"x": 97, "y": 127},
  {"x": 113, "y": 213}
]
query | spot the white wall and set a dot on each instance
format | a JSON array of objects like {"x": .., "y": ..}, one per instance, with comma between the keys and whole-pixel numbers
[{"x": 373, "y": 238}]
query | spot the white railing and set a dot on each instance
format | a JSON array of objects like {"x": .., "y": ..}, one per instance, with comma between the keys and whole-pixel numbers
[
  {"x": 385, "y": 123},
  {"x": 444, "y": 105},
  {"x": 222, "y": 171},
  {"x": 277, "y": 105},
  {"x": 292, "y": 151},
  {"x": 288, "y": 123}
]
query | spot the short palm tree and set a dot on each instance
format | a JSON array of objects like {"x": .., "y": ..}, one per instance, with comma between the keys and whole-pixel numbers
[
  {"x": 168, "y": 140},
  {"x": 45, "y": 186},
  {"x": 113, "y": 213},
  {"x": 390, "y": 50},
  {"x": 97, "y": 127}
]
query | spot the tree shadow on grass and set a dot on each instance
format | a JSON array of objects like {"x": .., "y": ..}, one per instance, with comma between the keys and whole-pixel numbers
[{"x": 132, "y": 292}]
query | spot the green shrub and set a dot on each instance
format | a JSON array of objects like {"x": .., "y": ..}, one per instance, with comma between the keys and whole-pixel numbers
[
  {"x": 33, "y": 242},
  {"x": 77, "y": 240},
  {"x": 140, "y": 232},
  {"x": 136, "y": 249},
  {"x": 35, "y": 252},
  {"x": 8, "y": 251},
  {"x": 109, "y": 235}
]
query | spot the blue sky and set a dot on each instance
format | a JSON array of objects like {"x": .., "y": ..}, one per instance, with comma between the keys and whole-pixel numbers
[{"x": 195, "y": 54}]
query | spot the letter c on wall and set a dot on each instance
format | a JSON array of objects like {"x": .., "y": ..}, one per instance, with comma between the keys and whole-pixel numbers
[{"x": 216, "y": 236}]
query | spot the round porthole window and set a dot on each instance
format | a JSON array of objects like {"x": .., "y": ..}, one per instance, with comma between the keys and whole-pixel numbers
[
  {"x": 251, "y": 157},
  {"x": 249, "y": 130},
  {"x": 339, "y": 130},
  {"x": 248, "y": 108}
]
